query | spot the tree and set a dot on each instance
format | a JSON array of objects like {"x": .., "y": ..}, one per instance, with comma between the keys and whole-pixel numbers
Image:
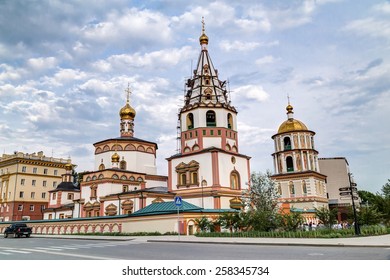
[
  {"x": 291, "y": 221},
  {"x": 230, "y": 221},
  {"x": 203, "y": 224},
  {"x": 261, "y": 201},
  {"x": 386, "y": 190},
  {"x": 369, "y": 215},
  {"x": 262, "y": 194},
  {"x": 326, "y": 216}
]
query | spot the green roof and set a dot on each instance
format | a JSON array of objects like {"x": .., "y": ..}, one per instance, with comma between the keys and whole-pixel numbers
[
  {"x": 165, "y": 208},
  {"x": 171, "y": 208}
]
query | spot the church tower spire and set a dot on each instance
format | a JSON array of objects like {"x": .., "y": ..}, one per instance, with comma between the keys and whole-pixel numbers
[{"x": 127, "y": 115}]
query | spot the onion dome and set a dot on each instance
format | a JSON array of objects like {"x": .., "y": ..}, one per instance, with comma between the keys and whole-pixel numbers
[
  {"x": 127, "y": 112},
  {"x": 115, "y": 157},
  {"x": 203, "y": 39},
  {"x": 68, "y": 166},
  {"x": 291, "y": 124}
]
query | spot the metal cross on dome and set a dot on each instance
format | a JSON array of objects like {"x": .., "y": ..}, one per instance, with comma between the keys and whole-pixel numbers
[{"x": 128, "y": 92}]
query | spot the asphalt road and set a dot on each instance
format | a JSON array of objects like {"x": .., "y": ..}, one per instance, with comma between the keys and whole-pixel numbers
[{"x": 76, "y": 249}]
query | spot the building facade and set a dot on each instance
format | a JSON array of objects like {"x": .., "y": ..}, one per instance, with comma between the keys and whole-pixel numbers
[
  {"x": 300, "y": 184},
  {"x": 125, "y": 177},
  {"x": 25, "y": 182},
  {"x": 209, "y": 171},
  {"x": 338, "y": 176}
]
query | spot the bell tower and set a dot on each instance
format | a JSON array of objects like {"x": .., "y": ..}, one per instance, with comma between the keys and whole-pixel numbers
[
  {"x": 300, "y": 184},
  {"x": 208, "y": 171}
]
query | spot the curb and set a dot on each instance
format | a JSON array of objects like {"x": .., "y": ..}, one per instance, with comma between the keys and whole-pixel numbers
[{"x": 271, "y": 244}]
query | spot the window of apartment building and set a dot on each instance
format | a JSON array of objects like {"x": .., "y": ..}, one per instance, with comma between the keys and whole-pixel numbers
[
  {"x": 20, "y": 207},
  {"x": 54, "y": 184},
  {"x": 42, "y": 208},
  {"x": 33, "y": 182},
  {"x": 35, "y": 170},
  {"x": 55, "y": 172},
  {"x": 24, "y": 168},
  {"x": 32, "y": 194},
  {"x": 21, "y": 194},
  {"x": 45, "y": 171},
  {"x": 31, "y": 207},
  {"x": 44, "y": 183},
  {"x": 22, "y": 181},
  {"x": 43, "y": 195}
]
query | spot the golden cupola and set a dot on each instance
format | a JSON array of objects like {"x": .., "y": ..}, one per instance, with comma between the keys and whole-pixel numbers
[
  {"x": 115, "y": 157},
  {"x": 291, "y": 124},
  {"x": 127, "y": 112},
  {"x": 203, "y": 39}
]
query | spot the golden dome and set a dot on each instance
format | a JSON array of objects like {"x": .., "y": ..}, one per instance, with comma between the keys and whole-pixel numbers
[
  {"x": 127, "y": 112},
  {"x": 203, "y": 39},
  {"x": 68, "y": 166},
  {"x": 291, "y": 125},
  {"x": 115, "y": 157}
]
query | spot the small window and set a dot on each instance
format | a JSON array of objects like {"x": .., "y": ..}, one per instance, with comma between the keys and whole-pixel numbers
[
  {"x": 43, "y": 195},
  {"x": 22, "y": 181},
  {"x": 21, "y": 194},
  {"x": 190, "y": 121},
  {"x": 70, "y": 196},
  {"x": 210, "y": 119},
  {"x": 289, "y": 163},
  {"x": 54, "y": 195},
  {"x": 33, "y": 182},
  {"x": 31, "y": 207},
  {"x": 42, "y": 208},
  {"x": 50, "y": 216},
  {"x": 32, "y": 194},
  {"x": 125, "y": 188},
  {"x": 24, "y": 168},
  {"x": 44, "y": 183},
  {"x": 54, "y": 184},
  {"x": 45, "y": 171},
  {"x": 230, "y": 121},
  {"x": 55, "y": 172},
  {"x": 287, "y": 143},
  {"x": 35, "y": 170},
  {"x": 20, "y": 207}
]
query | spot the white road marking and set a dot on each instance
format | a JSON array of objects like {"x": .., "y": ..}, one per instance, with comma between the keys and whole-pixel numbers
[
  {"x": 315, "y": 254},
  {"x": 48, "y": 248},
  {"x": 17, "y": 251},
  {"x": 5, "y": 253}
]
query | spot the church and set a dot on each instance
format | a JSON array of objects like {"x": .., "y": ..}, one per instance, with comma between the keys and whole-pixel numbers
[{"x": 209, "y": 172}]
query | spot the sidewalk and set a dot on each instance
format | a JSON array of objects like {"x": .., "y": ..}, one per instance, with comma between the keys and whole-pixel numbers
[{"x": 369, "y": 241}]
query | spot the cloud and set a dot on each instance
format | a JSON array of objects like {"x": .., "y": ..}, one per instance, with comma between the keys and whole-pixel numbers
[
  {"x": 266, "y": 60},
  {"x": 372, "y": 27},
  {"x": 238, "y": 46},
  {"x": 251, "y": 92}
]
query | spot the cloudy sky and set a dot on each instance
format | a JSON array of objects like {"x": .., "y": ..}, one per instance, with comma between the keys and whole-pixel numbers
[{"x": 64, "y": 66}]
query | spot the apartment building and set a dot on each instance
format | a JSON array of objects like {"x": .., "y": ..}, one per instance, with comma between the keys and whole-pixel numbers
[{"x": 25, "y": 182}]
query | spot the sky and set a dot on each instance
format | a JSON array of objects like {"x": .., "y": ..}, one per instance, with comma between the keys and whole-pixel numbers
[{"x": 65, "y": 65}]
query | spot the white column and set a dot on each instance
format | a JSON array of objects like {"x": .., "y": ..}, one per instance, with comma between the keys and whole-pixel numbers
[
  {"x": 283, "y": 163},
  {"x": 302, "y": 162}
]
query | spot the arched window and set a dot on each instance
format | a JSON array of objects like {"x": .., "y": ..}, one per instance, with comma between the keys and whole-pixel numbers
[
  {"x": 194, "y": 178},
  {"x": 291, "y": 188},
  {"x": 122, "y": 164},
  {"x": 235, "y": 180},
  {"x": 210, "y": 119},
  {"x": 190, "y": 121},
  {"x": 102, "y": 167},
  {"x": 289, "y": 163},
  {"x": 230, "y": 121},
  {"x": 204, "y": 183},
  {"x": 304, "y": 188},
  {"x": 280, "y": 189},
  {"x": 287, "y": 143},
  {"x": 183, "y": 179}
]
